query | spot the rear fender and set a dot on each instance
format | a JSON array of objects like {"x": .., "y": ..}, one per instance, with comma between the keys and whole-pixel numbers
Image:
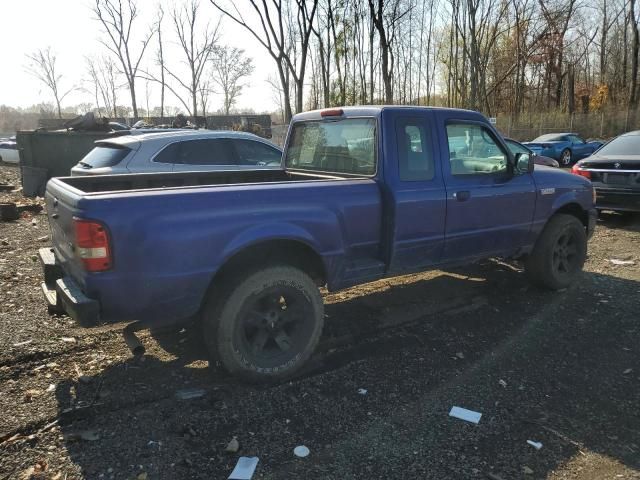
[{"x": 330, "y": 254}]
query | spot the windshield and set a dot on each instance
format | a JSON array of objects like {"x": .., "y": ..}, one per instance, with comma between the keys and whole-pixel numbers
[
  {"x": 339, "y": 146},
  {"x": 550, "y": 137},
  {"x": 104, "y": 156},
  {"x": 623, "y": 145}
]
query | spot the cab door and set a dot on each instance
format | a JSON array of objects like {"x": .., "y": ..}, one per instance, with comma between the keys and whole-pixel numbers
[
  {"x": 489, "y": 207},
  {"x": 415, "y": 192}
]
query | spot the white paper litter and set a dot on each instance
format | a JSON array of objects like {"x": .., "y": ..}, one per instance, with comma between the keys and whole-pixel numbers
[
  {"x": 464, "y": 414},
  {"x": 615, "y": 261},
  {"x": 301, "y": 451},
  {"x": 536, "y": 445},
  {"x": 244, "y": 468}
]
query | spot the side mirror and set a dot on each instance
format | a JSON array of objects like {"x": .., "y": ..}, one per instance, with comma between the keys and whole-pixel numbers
[{"x": 524, "y": 163}]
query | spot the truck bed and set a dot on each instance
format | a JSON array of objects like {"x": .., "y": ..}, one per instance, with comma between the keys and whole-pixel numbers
[{"x": 121, "y": 183}]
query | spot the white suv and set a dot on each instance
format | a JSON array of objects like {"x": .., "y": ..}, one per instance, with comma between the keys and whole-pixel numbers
[{"x": 176, "y": 151}]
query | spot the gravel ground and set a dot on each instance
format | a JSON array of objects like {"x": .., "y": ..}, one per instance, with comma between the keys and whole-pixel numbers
[{"x": 558, "y": 368}]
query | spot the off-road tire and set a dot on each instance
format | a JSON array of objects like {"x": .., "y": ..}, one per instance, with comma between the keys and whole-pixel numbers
[
  {"x": 230, "y": 309},
  {"x": 562, "y": 234}
]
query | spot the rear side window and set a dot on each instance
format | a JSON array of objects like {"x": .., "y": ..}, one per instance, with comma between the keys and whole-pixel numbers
[
  {"x": 335, "y": 146},
  {"x": 9, "y": 146},
  {"x": 206, "y": 152},
  {"x": 104, "y": 156},
  {"x": 414, "y": 151},
  {"x": 624, "y": 145},
  {"x": 256, "y": 153},
  {"x": 168, "y": 154}
]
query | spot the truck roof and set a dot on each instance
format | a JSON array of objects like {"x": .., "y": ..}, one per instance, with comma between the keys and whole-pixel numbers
[{"x": 373, "y": 110}]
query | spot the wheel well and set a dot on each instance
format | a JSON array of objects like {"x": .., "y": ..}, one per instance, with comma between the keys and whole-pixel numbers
[
  {"x": 270, "y": 252},
  {"x": 575, "y": 210}
]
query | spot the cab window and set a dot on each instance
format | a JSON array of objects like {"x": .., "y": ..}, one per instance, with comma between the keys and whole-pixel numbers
[
  {"x": 474, "y": 151},
  {"x": 415, "y": 161}
]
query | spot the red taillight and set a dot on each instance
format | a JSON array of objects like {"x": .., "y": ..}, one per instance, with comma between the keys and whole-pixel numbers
[
  {"x": 92, "y": 245},
  {"x": 334, "y": 112},
  {"x": 577, "y": 170}
]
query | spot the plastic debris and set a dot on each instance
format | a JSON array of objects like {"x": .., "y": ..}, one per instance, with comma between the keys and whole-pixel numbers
[
  {"x": 460, "y": 355},
  {"x": 244, "y": 468},
  {"x": 362, "y": 391},
  {"x": 616, "y": 261},
  {"x": 51, "y": 387},
  {"x": 502, "y": 383},
  {"x": 89, "y": 435},
  {"x": 233, "y": 446},
  {"x": 190, "y": 393},
  {"x": 464, "y": 414},
  {"x": 536, "y": 445},
  {"x": 527, "y": 470},
  {"x": 627, "y": 371},
  {"x": 68, "y": 339},
  {"x": 22, "y": 344},
  {"x": 301, "y": 451}
]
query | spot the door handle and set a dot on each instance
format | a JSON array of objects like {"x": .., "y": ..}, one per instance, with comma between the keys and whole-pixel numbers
[{"x": 462, "y": 196}]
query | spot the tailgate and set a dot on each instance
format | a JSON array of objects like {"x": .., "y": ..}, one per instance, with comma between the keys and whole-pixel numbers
[{"x": 62, "y": 202}]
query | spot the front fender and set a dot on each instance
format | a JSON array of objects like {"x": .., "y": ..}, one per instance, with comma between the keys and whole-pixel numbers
[{"x": 565, "y": 199}]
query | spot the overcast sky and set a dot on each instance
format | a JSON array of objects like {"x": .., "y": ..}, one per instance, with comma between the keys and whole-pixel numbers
[{"x": 70, "y": 28}]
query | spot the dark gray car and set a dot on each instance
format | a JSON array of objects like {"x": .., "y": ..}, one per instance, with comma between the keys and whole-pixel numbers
[
  {"x": 181, "y": 150},
  {"x": 614, "y": 171}
]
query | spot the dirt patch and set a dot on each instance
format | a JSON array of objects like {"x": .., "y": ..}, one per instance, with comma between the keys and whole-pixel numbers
[{"x": 558, "y": 368}]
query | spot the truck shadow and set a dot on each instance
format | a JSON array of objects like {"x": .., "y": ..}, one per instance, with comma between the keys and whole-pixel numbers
[
  {"x": 565, "y": 358},
  {"x": 627, "y": 221}
]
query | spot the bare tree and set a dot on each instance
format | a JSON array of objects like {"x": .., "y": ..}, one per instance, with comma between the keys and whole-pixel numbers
[
  {"x": 230, "y": 66},
  {"x": 160, "y": 59},
  {"x": 197, "y": 53},
  {"x": 103, "y": 76},
  {"x": 117, "y": 18},
  {"x": 385, "y": 15},
  {"x": 279, "y": 33},
  {"x": 43, "y": 66}
]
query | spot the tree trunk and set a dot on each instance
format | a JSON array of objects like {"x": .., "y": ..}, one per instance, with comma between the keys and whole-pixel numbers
[
  {"x": 633, "y": 100},
  {"x": 132, "y": 90},
  {"x": 371, "y": 80}
]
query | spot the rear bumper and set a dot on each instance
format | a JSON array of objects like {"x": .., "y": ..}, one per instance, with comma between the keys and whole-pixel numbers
[
  {"x": 63, "y": 294},
  {"x": 617, "y": 199}
]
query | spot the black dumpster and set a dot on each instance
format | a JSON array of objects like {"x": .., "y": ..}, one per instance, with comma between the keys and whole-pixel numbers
[{"x": 45, "y": 154}]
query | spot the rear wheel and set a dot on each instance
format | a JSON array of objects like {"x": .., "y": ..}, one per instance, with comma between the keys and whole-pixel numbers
[
  {"x": 266, "y": 325},
  {"x": 559, "y": 254},
  {"x": 565, "y": 157}
]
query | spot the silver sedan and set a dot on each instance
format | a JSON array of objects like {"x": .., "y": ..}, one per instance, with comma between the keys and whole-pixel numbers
[{"x": 175, "y": 151}]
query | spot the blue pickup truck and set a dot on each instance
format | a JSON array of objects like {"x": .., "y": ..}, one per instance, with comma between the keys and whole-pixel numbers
[{"x": 365, "y": 193}]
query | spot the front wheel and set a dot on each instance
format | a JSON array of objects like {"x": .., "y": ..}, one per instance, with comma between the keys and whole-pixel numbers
[
  {"x": 559, "y": 253},
  {"x": 266, "y": 325},
  {"x": 565, "y": 157}
]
